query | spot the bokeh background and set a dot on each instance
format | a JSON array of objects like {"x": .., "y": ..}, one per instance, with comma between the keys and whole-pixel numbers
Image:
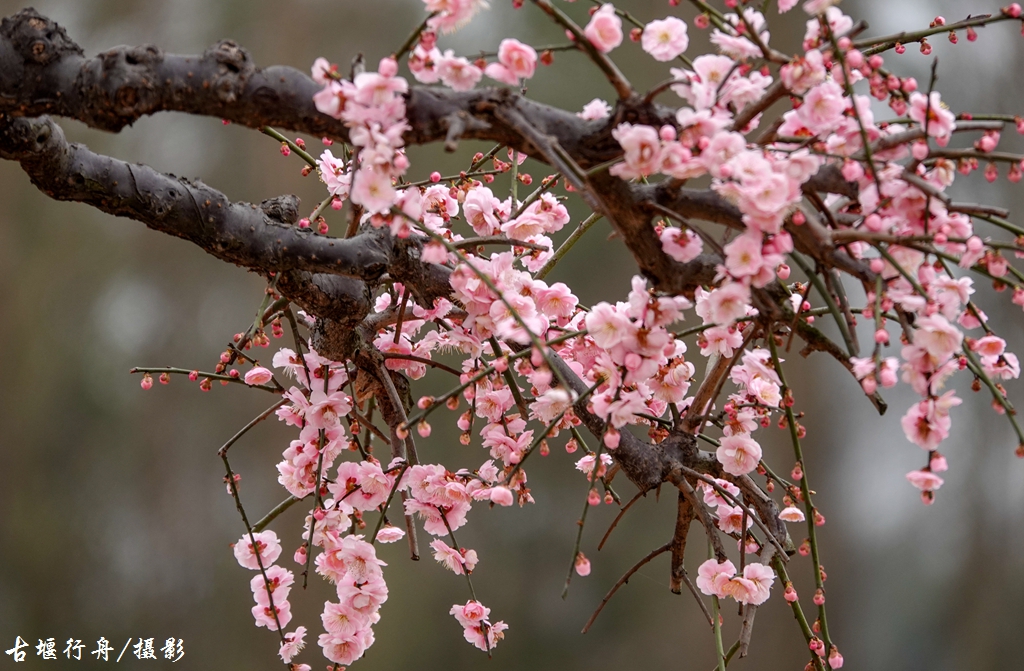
[{"x": 114, "y": 520}]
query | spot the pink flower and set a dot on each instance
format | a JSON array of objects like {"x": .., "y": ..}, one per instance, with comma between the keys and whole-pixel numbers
[
  {"x": 269, "y": 550},
  {"x": 937, "y": 336},
  {"x": 607, "y": 325},
  {"x": 605, "y": 29},
  {"x": 264, "y": 615},
  {"x": 941, "y": 122},
  {"x": 738, "y": 454},
  {"x": 989, "y": 346},
  {"x": 518, "y": 59},
  {"x": 451, "y": 558},
  {"x": 458, "y": 72},
  {"x": 713, "y": 577},
  {"x": 818, "y": 6},
  {"x": 786, "y": 5},
  {"x": 341, "y": 619},
  {"x": 359, "y": 559},
  {"x": 823, "y": 107},
  {"x": 803, "y": 72},
  {"x": 728, "y": 303},
  {"x": 366, "y": 597},
  {"x": 294, "y": 642},
  {"x": 759, "y": 579},
  {"x": 926, "y": 481},
  {"x": 730, "y": 520},
  {"x": 501, "y": 496},
  {"x": 791, "y": 514},
  {"x": 643, "y": 151},
  {"x": 743, "y": 255},
  {"x": 582, "y": 565},
  {"x": 346, "y": 649},
  {"x": 258, "y": 375},
  {"x": 373, "y": 190},
  {"x": 471, "y": 614},
  {"x": 389, "y": 534},
  {"x": 595, "y": 109},
  {"x": 683, "y": 246},
  {"x": 280, "y": 582},
  {"x": 665, "y": 39}
]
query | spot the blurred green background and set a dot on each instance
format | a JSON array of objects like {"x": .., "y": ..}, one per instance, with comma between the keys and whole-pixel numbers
[{"x": 114, "y": 520}]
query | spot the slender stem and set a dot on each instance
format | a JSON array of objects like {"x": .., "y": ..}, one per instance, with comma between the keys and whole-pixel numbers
[
  {"x": 564, "y": 248},
  {"x": 212, "y": 376},
  {"x": 586, "y": 507},
  {"x": 275, "y": 511},
  {"x": 302, "y": 153},
  {"x": 245, "y": 429},
  {"x": 804, "y": 489}
]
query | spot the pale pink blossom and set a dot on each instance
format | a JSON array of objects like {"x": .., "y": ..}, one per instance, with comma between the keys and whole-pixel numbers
[
  {"x": 730, "y": 519},
  {"x": 269, "y": 550},
  {"x": 389, "y": 534},
  {"x": 595, "y": 109},
  {"x": 791, "y": 514},
  {"x": 728, "y": 303},
  {"x": 937, "y": 336},
  {"x": 926, "y": 481},
  {"x": 786, "y": 5},
  {"x": 604, "y": 29},
  {"x": 457, "y": 72},
  {"x": 258, "y": 375},
  {"x": 453, "y": 560},
  {"x": 582, "y": 565},
  {"x": 293, "y": 644},
  {"x": 683, "y": 246},
  {"x": 373, "y": 190},
  {"x": 341, "y": 619},
  {"x": 279, "y": 581},
  {"x": 818, "y": 6},
  {"x": 758, "y": 580},
  {"x": 517, "y": 61},
  {"x": 346, "y": 649},
  {"x": 738, "y": 454},
  {"x": 359, "y": 558},
  {"x": 471, "y": 614},
  {"x": 607, "y": 325},
  {"x": 743, "y": 255},
  {"x": 823, "y": 107},
  {"x": 713, "y": 577},
  {"x": 665, "y": 39},
  {"x": 941, "y": 122},
  {"x": 502, "y": 496},
  {"x": 643, "y": 151},
  {"x": 264, "y": 615},
  {"x": 803, "y": 72}
]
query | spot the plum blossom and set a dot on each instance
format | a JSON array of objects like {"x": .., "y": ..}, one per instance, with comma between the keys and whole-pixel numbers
[
  {"x": 643, "y": 151},
  {"x": 665, "y": 39},
  {"x": 713, "y": 577},
  {"x": 941, "y": 122},
  {"x": 738, "y": 454},
  {"x": 269, "y": 549},
  {"x": 791, "y": 514},
  {"x": 515, "y": 61},
  {"x": 258, "y": 375},
  {"x": 604, "y": 29},
  {"x": 595, "y": 109},
  {"x": 293, "y": 644}
]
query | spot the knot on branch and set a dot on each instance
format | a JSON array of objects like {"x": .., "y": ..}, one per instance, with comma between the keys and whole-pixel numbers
[
  {"x": 284, "y": 209},
  {"x": 119, "y": 87},
  {"x": 235, "y": 66},
  {"x": 38, "y": 39}
]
